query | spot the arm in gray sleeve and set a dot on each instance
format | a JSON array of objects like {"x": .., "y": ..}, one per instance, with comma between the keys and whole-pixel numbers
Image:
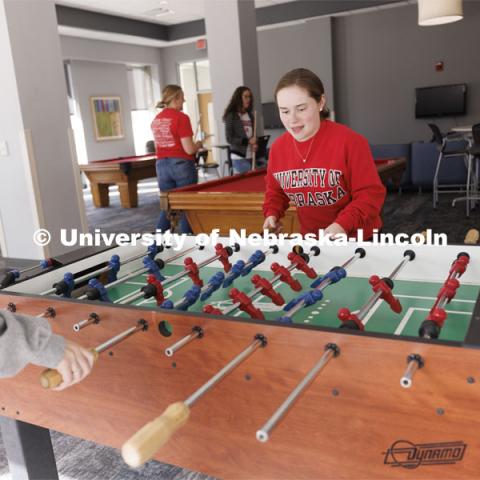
[
  {"x": 26, "y": 340},
  {"x": 234, "y": 132}
]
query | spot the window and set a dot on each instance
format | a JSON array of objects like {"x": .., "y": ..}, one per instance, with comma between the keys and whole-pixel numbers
[{"x": 140, "y": 87}]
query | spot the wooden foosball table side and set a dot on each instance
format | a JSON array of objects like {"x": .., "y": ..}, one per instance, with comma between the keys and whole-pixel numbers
[{"x": 354, "y": 421}]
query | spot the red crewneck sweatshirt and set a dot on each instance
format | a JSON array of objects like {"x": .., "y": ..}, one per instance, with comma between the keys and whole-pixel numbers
[{"x": 329, "y": 178}]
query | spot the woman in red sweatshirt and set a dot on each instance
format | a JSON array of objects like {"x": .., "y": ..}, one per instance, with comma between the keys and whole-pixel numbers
[{"x": 323, "y": 168}]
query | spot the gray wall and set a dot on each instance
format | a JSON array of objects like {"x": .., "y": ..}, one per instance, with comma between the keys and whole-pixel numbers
[
  {"x": 380, "y": 58},
  {"x": 92, "y": 60},
  {"x": 171, "y": 56},
  {"x": 279, "y": 50},
  {"x": 305, "y": 45},
  {"x": 96, "y": 79},
  {"x": 101, "y": 51}
]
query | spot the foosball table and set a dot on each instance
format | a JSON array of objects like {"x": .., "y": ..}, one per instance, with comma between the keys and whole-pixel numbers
[{"x": 275, "y": 361}]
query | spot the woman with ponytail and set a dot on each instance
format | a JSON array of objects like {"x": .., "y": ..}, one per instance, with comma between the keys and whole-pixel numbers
[{"x": 175, "y": 149}]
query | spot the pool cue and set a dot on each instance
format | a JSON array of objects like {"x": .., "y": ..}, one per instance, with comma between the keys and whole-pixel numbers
[
  {"x": 198, "y": 126},
  {"x": 254, "y": 153}
]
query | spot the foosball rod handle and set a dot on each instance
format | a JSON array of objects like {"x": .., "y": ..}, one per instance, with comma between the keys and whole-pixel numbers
[
  {"x": 52, "y": 378},
  {"x": 472, "y": 237},
  {"x": 151, "y": 437}
]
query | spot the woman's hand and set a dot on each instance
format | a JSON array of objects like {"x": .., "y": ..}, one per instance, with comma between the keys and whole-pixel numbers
[
  {"x": 76, "y": 364},
  {"x": 335, "y": 230},
  {"x": 252, "y": 141},
  {"x": 272, "y": 224}
]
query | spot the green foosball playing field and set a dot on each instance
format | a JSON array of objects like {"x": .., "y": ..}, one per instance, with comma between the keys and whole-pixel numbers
[{"x": 415, "y": 297}]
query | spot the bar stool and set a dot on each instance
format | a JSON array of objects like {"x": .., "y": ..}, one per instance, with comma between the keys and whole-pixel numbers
[
  {"x": 445, "y": 152},
  {"x": 203, "y": 165},
  {"x": 472, "y": 171}
]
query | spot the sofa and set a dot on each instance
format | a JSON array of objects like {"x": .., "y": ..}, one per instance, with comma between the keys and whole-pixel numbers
[{"x": 421, "y": 163}]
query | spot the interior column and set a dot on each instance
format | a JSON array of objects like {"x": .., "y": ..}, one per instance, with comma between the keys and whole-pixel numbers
[{"x": 40, "y": 185}]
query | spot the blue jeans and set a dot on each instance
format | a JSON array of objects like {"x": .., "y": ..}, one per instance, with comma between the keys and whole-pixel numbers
[
  {"x": 241, "y": 165},
  {"x": 174, "y": 173}
]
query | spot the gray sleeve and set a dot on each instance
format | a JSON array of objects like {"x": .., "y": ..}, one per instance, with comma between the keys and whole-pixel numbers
[
  {"x": 231, "y": 132},
  {"x": 26, "y": 340}
]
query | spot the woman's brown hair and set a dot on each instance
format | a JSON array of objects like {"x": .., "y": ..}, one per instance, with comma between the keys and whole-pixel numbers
[
  {"x": 306, "y": 79},
  {"x": 169, "y": 93},
  {"x": 236, "y": 103}
]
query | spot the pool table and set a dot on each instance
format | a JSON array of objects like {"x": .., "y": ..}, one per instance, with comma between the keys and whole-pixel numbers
[
  {"x": 236, "y": 202},
  {"x": 125, "y": 172}
]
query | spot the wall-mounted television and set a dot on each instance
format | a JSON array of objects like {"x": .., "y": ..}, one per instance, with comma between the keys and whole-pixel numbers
[
  {"x": 440, "y": 101},
  {"x": 271, "y": 118}
]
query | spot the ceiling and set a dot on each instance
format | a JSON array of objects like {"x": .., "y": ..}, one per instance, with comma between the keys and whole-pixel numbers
[
  {"x": 160, "y": 23},
  {"x": 163, "y": 12}
]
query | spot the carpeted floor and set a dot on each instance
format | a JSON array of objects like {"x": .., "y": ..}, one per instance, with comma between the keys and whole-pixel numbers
[
  {"x": 412, "y": 212},
  {"x": 81, "y": 460},
  {"x": 77, "y": 459}
]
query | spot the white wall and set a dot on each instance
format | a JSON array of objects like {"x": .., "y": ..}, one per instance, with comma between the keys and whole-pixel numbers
[{"x": 12, "y": 166}]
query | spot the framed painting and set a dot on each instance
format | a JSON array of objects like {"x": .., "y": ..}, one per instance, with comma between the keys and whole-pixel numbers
[{"x": 107, "y": 117}]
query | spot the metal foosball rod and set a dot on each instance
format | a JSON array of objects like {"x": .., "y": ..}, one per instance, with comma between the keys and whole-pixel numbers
[
  {"x": 221, "y": 255},
  {"x": 143, "y": 270},
  {"x": 113, "y": 266},
  {"x": 279, "y": 273},
  {"x": 414, "y": 363},
  {"x": 93, "y": 318},
  {"x": 242, "y": 268},
  {"x": 51, "y": 377},
  {"x": 221, "y": 252},
  {"x": 331, "y": 351},
  {"x": 197, "y": 332},
  {"x": 382, "y": 288},
  {"x": 432, "y": 325},
  {"x": 143, "y": 445},
  {"x": 253, "y": 293},
  {"x": 49, "y": 312},
  {"x": 13, "y": 275},
  {"x": 195, "y": 292},
  {"x": 333, "y": 276}
]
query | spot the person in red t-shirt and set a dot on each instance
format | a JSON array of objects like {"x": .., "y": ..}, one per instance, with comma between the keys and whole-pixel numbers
[
  {"x": 175, "y": 149},
  {"x": 323, "y": 168}
]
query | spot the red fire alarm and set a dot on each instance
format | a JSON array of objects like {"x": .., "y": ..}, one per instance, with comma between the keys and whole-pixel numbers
[
  {"x": 439, "y": 67},
  {"x": 201, "y": 44}
]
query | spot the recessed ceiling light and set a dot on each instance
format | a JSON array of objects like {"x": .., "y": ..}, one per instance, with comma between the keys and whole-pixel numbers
[{"x": 158, "y": 12}]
